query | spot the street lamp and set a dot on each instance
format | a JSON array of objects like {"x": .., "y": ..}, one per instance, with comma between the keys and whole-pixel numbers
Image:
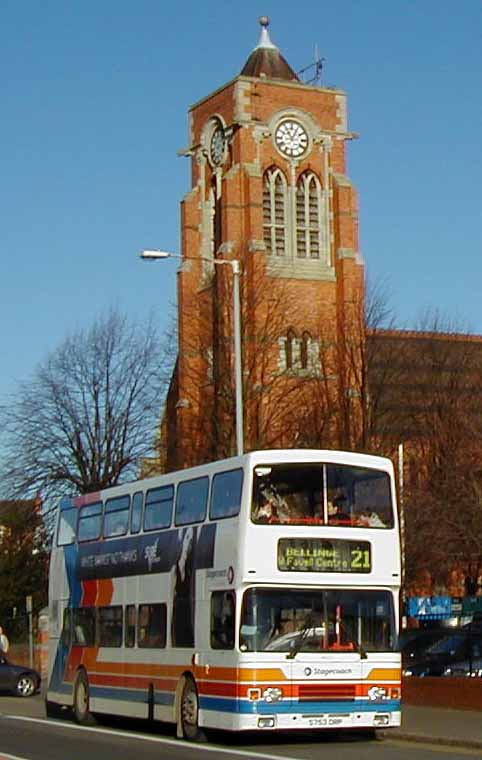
[{"x": 153, "y": 255}]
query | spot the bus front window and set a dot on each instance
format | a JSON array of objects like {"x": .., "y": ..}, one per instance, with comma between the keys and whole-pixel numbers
[
  {"x": 321, "y": 494},
  {"x": 298, "y": 620}
]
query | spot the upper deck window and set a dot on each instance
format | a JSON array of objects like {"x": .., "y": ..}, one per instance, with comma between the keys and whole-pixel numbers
[
  {"x": 136, "y": 512},
  {"x": 90, "y": 522},
  {"x": 191, "y": 501},
  {"x": 321, "y": 494},
  {"x": 67, "y": 524},
  {"x": 116, "y": 516},
  {"x": 158, "y": 509},
  {"x": 226, "y": 494}
]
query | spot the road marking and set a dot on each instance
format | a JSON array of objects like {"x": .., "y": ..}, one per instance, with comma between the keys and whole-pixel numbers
[
  {"x": 3, "y": 756},
  {"x": 158, "y": 739}
]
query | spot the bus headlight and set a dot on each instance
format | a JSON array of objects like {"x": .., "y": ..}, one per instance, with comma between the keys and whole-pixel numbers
[
  {"x": 377, "y": 693},
  {"x": 273, "y": 694}
]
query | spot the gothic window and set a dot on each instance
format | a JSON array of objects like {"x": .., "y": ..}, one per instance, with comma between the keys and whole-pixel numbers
[
  {"x": 305, "y": 350},
  {"x": 212, "y": 221},
  {"x": 289, "y": 348},
  {"x": 309, "y": 222},
  {"x": 274, "y": 212},
  {"x": 215, "y": 219}
]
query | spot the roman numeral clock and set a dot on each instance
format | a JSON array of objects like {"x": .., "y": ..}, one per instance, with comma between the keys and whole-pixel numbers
[{"x": 291, "y": 138}]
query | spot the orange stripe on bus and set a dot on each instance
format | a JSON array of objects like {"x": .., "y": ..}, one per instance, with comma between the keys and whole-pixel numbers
[
  {"x": 384, "y": 674},
  {"x": 105, "y": 591}
]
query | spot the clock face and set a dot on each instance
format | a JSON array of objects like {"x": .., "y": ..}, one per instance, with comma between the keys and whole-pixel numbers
[
  {"x": 218, "y": 145},
  {"x": 291, "y": 138}
]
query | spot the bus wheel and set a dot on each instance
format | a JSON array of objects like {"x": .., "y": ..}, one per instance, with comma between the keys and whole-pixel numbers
[
  {"x": 52, "y": 709},
  {"x": 82, "y": 714},
  {"x": 189, "y": 711}
]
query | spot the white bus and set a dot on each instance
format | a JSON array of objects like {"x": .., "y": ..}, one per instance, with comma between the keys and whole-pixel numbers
[{"x": 255, "y": 593}]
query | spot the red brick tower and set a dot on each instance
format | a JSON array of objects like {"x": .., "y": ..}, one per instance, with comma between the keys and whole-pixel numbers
[{"x": 269, "y": 189}]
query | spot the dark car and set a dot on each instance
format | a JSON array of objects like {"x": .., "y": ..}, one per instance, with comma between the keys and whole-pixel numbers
[
  {"x": 414, "y": 642},
  {"x": 457, "y": 646},
  {"x": 17, "y": 679}
]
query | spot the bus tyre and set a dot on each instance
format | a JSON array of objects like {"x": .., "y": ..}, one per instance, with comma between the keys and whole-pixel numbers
[
  {"x": 374, "y": 734},
  {"x": 52, "y": 709},
  {"x": 189, "y": 712},
  {"x": 82, "y": 714}
]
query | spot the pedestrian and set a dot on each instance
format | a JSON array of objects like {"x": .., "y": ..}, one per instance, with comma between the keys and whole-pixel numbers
[
  {"x": 4, "y": 642},
  {"x": 471, "y": 581}
]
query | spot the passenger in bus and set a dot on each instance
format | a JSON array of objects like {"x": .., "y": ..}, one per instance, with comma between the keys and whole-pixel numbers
[
  {"x": 369, "y": 519},
  {"x": 337, "y": 510},
  {"x": 271, "y": 507}
]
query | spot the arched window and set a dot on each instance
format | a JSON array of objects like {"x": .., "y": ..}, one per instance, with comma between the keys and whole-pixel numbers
[
  {"x": 215, "y": 219},
  {"x": 289, "y": 347},
  {"x": 309, "y": 217},
  {"x": 274, "y": 212},
  {"x": 212, "y": 222},
  {"x": 305, "y": 350}
]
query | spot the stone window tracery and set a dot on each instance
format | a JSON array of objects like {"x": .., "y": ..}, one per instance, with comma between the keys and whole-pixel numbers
[
  {"x": 275, "y": 211},
  {"x": 309, "y": 217}
]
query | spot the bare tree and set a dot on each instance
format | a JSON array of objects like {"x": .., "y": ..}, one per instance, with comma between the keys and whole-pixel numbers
[
  {"x": 89, "y": 414},
  {"x": 442, "y": 403}
]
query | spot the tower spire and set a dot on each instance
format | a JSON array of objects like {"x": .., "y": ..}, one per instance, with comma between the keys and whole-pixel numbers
[
  {"x": 264, "y": 40},
  {"x": 266, "y": 60}
]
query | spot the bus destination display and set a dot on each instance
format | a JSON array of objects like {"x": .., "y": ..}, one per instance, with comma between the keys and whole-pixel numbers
[{"x": 321, "y": 555}]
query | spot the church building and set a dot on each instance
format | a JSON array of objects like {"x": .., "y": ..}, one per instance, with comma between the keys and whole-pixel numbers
[{"x": 270, "y": 191}]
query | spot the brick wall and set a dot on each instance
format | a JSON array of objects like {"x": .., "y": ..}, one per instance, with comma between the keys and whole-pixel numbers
[{"x": 455, "y": 693}]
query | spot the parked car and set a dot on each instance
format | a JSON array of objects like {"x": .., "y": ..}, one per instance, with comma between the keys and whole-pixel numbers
[
  {"x": 465, "y": 668},
  {"x": 17, "y": 679},
  {"x": 413, "y": 642},
  {"x": 439, "y": 658}
]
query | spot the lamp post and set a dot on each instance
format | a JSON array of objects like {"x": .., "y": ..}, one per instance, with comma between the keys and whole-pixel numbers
[{"x": 154, "y": 255}]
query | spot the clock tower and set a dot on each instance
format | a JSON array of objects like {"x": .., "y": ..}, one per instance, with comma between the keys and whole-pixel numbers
[{"x": 270, "y": 190}]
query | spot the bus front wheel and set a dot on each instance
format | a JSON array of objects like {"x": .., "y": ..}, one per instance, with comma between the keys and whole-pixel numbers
[
  {"x": 189, "y": 712},
  {"x": 82, "y": 714}
]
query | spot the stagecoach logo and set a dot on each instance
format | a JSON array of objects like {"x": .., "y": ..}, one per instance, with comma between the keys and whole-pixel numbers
[
  {"x": 151, "y": 554},
  {"x": 226, "y": 573},
  {"x": 327, "y": 672}
]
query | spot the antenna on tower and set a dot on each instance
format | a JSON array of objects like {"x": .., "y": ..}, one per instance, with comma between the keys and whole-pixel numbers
[{"x": 312, "y": 74}]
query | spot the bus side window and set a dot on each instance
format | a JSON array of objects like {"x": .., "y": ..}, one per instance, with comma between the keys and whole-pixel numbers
[
  {"x": 130, "y": 626},
  {"x": 109, "y": 626},
  {"x": 66, "y": 636},
  {"x": 90, "y": 522},
  {"x": 226, "y": 494},
  {"x": 136, "y": 512},
  {"x": 223, "y": 607},
  {"x": 151, "y": 626},
  {"x": 116, "y": 516},
  {"x": 191, "y": 501},
  {"x": 67, "y": 525},
  {"x": 158, "y": 510},
  {"x": 83, "y": 628}
]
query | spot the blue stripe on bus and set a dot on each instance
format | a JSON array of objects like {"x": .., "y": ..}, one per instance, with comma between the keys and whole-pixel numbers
[
  {"x": 132, "y": 695},
  {"x": 293, "y": 706},
  {"x": 245, "y": 707}
]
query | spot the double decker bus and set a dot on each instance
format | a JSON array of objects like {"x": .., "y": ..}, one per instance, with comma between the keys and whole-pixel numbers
[{"x": 255, "y": 593}]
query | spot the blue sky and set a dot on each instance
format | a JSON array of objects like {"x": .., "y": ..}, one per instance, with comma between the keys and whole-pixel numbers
[{"x": 94, "y": 97}]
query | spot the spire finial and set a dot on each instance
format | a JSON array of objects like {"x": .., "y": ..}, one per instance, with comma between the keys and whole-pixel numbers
[{"x": 264, "y": 40}]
